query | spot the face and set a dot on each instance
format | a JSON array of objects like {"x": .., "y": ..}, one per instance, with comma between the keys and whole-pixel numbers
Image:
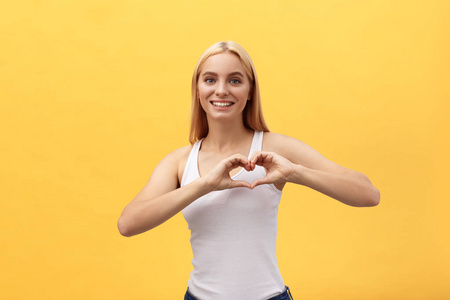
[{"x": 223, "y": 87}]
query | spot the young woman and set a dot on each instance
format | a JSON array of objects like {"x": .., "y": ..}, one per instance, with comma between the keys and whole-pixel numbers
[{"x": 228, "y": 183}]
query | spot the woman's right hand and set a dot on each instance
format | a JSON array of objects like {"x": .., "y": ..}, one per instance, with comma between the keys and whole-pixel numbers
[{"x": 219, "y": 177}]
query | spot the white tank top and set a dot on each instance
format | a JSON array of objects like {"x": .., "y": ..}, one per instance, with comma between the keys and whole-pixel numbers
[{"x": 233, "y": 236}]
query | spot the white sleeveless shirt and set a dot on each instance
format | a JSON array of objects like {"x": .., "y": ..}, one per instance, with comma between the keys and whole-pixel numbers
[{"x": 233, "y": 236}]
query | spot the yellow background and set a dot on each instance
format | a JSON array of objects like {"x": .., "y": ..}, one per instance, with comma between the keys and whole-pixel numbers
[{"x": 95, "y": 93}]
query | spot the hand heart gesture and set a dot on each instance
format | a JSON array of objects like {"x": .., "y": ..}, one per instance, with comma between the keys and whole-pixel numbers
[{"x": 278, "y": 170}]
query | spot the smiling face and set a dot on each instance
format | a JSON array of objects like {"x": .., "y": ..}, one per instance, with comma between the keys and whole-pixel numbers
[{"x": 223, "y": 88}]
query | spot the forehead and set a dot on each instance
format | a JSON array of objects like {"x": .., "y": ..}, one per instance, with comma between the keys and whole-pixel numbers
[{"x": 223, "y": 63}]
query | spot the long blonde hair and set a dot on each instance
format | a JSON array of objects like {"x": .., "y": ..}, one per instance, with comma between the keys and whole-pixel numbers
[{"x": 252, "y": 115}]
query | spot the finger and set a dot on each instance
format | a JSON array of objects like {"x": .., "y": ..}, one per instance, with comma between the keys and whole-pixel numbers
[
  {"x": 247, "y": 167},
  {"x": 240, "y": 183},
  {"x": 235, "y": 161},
  {"x": 260, "y": 157},
  {"x": 264, "y": 180},
  {"x": 255, "y": 157},
  {"x": 237, "y": 158},
  {"x": 237, "y": 164}
]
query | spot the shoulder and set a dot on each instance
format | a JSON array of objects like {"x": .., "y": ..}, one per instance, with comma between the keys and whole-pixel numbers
[
  {"x": 299, "y": 152},
  {"x": 291, "y": 148},
  {"x": 179, "y": 154},
  {"x": 276, "y": 142},
  {"x": 174, "y": 162}
]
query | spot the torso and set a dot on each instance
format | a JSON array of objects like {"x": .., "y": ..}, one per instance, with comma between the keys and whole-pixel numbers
[{"x": 233, "y": 235}]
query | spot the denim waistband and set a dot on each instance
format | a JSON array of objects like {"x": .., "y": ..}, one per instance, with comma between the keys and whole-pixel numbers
[{"x": 286, "y": 295}]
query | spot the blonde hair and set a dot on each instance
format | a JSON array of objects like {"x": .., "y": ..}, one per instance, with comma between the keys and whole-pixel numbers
[{"x": 252, "y": 115}]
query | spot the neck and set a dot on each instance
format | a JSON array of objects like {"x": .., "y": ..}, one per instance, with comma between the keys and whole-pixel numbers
[{"x": 224, "y": 136}]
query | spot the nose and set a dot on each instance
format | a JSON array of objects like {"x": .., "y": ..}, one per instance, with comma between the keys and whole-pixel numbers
[{"x": 221, "y": 89}]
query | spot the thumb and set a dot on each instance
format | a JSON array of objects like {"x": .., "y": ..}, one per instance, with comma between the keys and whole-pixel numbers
[
  {"x": 264, "y": 180},
  {"x": 239, "y": 183}
]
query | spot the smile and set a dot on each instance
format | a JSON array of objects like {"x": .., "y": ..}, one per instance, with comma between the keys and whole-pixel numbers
[{"x": 221, "y": 104}]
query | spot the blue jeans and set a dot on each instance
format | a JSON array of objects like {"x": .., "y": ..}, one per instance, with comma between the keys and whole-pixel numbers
[{"x": 286, "y": 295}]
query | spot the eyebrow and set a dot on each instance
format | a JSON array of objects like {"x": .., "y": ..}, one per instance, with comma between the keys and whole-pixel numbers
[{"x": 215, "y": 74}]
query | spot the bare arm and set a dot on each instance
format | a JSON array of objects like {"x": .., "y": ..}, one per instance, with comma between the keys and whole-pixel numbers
[
  {"x": 301, "y": 164},
  {"x": 160, "y": 199}
]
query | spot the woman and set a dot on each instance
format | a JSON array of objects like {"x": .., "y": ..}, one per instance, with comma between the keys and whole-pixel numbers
[{"x": 228, "y": 183}]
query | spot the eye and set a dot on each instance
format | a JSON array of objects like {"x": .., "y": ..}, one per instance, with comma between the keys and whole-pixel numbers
[
  {"x": 209, "y": 80},
  {"x": 235, "y": 81}
]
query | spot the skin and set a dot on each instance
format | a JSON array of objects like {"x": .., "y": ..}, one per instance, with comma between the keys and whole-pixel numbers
[{"x": 224, "y": 152}]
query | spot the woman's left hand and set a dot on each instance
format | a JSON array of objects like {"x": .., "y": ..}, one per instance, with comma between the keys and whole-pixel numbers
[{"x": 278, "y": 168}]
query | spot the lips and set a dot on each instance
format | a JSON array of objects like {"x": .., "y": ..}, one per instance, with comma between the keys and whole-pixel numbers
[{"x": 222, "y": 104}]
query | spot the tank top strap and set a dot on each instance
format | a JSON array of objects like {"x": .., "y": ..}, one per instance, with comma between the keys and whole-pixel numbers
[
  {"x": 256, "y": 143},
  {"x": 191, "y": 169}
]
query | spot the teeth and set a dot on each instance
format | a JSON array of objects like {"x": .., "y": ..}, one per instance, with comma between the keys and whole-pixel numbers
[{"x": 222, "y": 104}]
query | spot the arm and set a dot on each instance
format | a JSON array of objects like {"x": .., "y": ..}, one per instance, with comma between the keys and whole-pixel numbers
[
  {"x": 160, "y": 199},
  {"x": 352, "y": 188},
  {"x": 301, "y": 164}
]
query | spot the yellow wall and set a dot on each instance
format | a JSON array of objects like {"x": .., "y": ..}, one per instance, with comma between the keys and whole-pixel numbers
[{"x": 94, "y": 93}]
